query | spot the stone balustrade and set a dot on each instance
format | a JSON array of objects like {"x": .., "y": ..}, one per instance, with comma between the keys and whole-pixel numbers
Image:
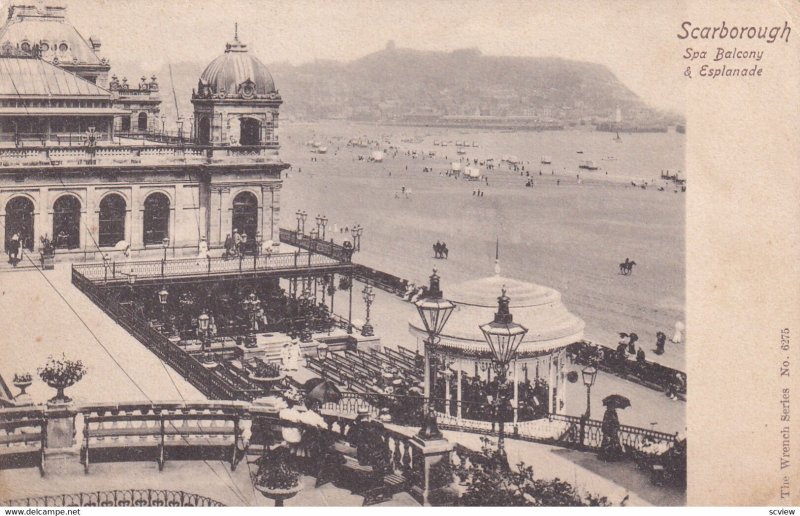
[{"x": 135, "y": 155}]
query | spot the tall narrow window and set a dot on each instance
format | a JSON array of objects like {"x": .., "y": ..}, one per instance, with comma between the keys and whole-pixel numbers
[
  {"x": 67, "y": 222},
  {"x": 112, "y": 220},
  {"x": 245, "y": 215},
  {"x": 156, "y": 218},
  {"x": 19, "y": 221},
  {"x": 142, "y": 122},
  {"x": 250, "y": 131}
]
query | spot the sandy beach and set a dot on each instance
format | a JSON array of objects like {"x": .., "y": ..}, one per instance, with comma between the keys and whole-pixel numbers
[{"x": 560, "y": 233}]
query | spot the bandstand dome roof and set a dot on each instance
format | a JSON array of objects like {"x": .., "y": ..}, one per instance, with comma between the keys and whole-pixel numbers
[
  {"x": 235, "y": 67},
  {"x": 550, "y": 325}
]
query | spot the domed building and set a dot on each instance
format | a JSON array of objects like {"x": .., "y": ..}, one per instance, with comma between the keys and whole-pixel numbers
[
  {"x": 463, "y": 356},
  {"x": 236, "y": 102}
]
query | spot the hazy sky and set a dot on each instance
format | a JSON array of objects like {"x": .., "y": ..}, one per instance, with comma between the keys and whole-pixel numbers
[{"x": 635, "y": 39}]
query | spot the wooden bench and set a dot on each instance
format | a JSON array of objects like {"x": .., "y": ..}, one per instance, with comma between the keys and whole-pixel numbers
[
  {"x": 407, "y": 352},
  {"x": 160, "y": 431},
  {"x": 391, "y": 484},
  {"x": 23, "y": 437}
]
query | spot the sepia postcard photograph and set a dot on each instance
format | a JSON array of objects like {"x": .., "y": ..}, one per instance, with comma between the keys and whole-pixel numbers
[{"x": 399, "y": 253}]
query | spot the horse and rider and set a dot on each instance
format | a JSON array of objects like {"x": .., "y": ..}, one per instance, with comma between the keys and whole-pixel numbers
[
  {"x": 626, "y": 267},
  {"x": 440, "y": 250}
]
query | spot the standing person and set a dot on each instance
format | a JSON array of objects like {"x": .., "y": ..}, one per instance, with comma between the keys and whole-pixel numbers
[
  {"x": 661, "y": 339},
  {"x": 14, "y": 250},
  {"x": 677, "y": 338},
  {"x": 237, "y": 241},
  {"x": 228, "y": 246},
  {"x": 243, "y": 244},
  {"x": 610, "y": 448}
]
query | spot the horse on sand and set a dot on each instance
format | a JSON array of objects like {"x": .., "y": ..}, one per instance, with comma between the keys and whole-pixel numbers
[{"x": 626, "y": 267}]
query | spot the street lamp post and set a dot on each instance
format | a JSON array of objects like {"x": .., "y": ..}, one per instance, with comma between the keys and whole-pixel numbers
[
  {"x": 301, "y": 221},
  {"x": 203, "y": 323},
  {"x": 251, "y": 303},
  {"x": 589, "y": 375},
  {"x": 369, "y": 297},
  {"x": 504, "y": 337},
  {"x": 434, "y": 311},
  {"x": 163, "y": 294},
  {"x": 318, "y": 218},
  {"x": 323, "y": 223},
  {"x": 322, "y": 355},
  {"x": 165, "y": 244},
  {"x": 180, "y": 129}
]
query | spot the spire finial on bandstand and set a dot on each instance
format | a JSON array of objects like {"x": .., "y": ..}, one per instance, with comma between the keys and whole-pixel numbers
[{"x": 497, "y": 257}]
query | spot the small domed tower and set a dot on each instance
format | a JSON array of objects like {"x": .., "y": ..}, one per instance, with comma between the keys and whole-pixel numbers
[{"x": 236, "y": 103}]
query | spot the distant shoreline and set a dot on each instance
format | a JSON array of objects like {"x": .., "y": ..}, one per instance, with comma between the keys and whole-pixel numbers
[{"x": 501, "y": 127}]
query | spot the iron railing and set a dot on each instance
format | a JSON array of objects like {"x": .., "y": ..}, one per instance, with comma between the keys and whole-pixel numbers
[
  {"x": 206, "y": 381},
  {"x": 113, "y": 270},
  {"x": 117, "y": 498},
  {"x": 556, "y": 429},
  {"x": 316, "y": 245}
]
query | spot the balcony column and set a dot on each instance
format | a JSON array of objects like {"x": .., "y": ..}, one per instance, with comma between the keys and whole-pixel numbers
[
  {"x": 516, "y": 391},
  {"x": 458, "y": 391},
  {"x": 550, "y": 386},
  {"x": 137, "y": 219},
  {"x": 274, "y": 212},
  {"x": 447, "y": 393}
]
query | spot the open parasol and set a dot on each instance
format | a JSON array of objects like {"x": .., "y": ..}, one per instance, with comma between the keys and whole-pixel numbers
[
  {"x": 616, "y": 401},
  {"x": 325, "y": 392}
]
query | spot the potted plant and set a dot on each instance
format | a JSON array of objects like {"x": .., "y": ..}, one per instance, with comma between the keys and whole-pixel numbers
[
  {"x": 22, "y": 381},
  {"x": 47, "y": 253},
  {"x": 60, "y": 373},
  {"x": 276, "y": 477}
]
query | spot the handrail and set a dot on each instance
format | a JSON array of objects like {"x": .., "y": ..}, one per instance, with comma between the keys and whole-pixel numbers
[
  {"x": 117, "y": 498},
  {"x": 558, "y": 429},
  {"x": 185, "y": 364},
  {"x": 204, "y": 266}
]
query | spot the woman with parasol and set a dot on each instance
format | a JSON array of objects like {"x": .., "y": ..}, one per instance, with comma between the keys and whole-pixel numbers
[{"x": 611, "y": 448}]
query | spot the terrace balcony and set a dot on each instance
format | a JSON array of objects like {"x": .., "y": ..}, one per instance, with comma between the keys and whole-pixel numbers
[{"x": 147, "y": 153}]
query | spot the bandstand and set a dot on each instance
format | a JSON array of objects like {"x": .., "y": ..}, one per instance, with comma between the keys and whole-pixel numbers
[{"x": 462, "y": 358}]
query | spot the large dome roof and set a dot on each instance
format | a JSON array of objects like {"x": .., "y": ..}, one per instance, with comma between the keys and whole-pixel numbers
[
  {"x": 538, "y": 308},
  {"x": 233, "y": 69}
]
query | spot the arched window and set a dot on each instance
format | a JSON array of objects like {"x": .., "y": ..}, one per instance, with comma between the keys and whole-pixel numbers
[
  {"x": 156, "y": 218},
  {"x": 204, "y": 131},
  {"x": 245, "y": 215},
  {"x": 19, "y": 221},
  {"x": 67, "y": 222},
  {"x": 112, "y": 220},
  {"x": 249, "y": 131},
  {"x": 142, "y": 123}
]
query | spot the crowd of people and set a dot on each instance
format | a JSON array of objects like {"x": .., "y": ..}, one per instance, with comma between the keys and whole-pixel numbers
[
  {"x": 478, "y": 394},
  {"x": 629, "y": 360}
]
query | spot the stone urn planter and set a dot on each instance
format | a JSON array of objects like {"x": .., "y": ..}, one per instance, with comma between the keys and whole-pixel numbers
[
  {"x": 22, "y": 382},
  {"x": 278, "y": 494},
  {"x": 60, "y": 373},
  {"x": 276, "y": 477}
]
